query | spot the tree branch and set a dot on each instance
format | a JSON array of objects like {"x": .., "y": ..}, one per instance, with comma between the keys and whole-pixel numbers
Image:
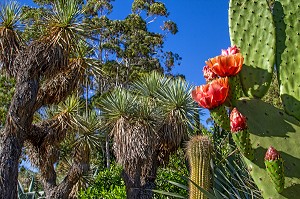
[{"x": 59, "y": 87}]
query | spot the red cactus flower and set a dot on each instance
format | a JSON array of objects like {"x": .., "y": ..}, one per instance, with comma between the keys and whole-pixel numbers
[
  {"x": 272, "y": 154},
  {"x": 231, "y": 51},
  {"x": 209, "y": 74},
  {"x": 212, "y": 94},
  {"x": 226, "y": 65},
  {"x": 238, "y": 122}
]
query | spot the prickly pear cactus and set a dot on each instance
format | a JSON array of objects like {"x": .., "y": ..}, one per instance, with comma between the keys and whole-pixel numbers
[
  {"x": 275, "y": 168},
  {"x": 256, "y": 42},
  {"x": 286, "y": 17},
  {"x": 270, "y": 126},
  {"x": 199, "y": 150},
  {"x": 220, "y": 116},
  {"x": 242, "y": 141}
]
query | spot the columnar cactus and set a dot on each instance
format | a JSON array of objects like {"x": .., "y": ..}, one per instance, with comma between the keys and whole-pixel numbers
[
  {"x": 274, "y": 166},
  {"x": 199, "y": 150}
]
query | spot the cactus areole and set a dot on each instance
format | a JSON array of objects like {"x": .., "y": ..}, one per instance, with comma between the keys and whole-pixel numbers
[{"x": 238, "y": 122}]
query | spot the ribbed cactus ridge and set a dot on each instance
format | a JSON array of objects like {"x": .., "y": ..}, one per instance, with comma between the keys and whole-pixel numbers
[
  {"x": 220, "y": 117},
  {"x": 199, "y": 151},
  {"x": 275, "y": 169},
  {"x": 243, "y": 143},
  {"x": 252, "y": 30},
  {"x": 286, "y": 17}
]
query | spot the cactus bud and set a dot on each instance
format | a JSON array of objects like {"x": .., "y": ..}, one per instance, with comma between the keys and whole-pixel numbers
[
  {"x": 237, "y": 121},
  {"x": 274, "y": 166}
]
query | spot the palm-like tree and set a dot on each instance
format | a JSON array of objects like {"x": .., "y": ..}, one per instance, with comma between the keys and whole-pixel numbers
[
  {"x": 46, "y": 70},
  {"x": 149, "y": 121}
]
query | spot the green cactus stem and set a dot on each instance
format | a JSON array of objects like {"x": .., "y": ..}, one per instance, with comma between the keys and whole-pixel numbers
[
  {"x": 243, "y": 143},
  {"x": 252, "y": 29},
  {"x": 199, "y": 151},
  {"x": 235, "y": 89},
  {"x": 270, "y": 126},
  {"x": 220, "y": 117},
  {"x": 286, "y": 15},
  {"x": 274, "y": 167}
]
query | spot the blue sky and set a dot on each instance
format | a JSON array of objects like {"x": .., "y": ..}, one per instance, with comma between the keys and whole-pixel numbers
[{"x": 203, "y": 32}]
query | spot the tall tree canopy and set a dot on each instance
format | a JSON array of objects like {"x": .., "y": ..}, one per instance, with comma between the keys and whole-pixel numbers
[{"x": 58, "y": 48}]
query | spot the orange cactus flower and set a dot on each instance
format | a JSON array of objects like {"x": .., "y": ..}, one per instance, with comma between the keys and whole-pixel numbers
[
  {"x": 226, "y": 65},
  {"x": 209, "y": 74},
  {"x": 231, "y": 50},
  {"x": 212, "y": 94}
]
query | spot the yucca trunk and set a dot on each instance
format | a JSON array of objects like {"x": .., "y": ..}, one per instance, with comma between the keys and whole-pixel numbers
[
  {"x": 141, "y": 179},
  {"x": 12, "y": 138},
  {"x": 10, "y": 151}
]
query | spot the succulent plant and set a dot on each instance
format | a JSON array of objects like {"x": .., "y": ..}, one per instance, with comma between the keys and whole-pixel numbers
[
  {"x": 199, "y": 151},
  {"x": 240, "y": 134},
  {"x": 262, "y": 33},
  {"x": 274, "y": 166}
]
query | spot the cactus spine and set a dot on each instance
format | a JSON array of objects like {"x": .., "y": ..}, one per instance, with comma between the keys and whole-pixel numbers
[{"x": 199, "y": 155}]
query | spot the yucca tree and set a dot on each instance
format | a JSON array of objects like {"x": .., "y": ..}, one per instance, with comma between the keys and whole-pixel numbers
[
  {"x": 78, "y": 134},
  {"x": 149, "y": 121},
  {"x": 46, "y": 72}
]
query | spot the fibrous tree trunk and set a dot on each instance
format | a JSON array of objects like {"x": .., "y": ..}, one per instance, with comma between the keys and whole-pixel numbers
[
  {"x": 140, "y": 180},
  {"x": 12, "y": 137}
]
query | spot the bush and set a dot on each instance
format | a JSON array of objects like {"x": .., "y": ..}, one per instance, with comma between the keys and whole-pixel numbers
[{"x": 108, "y": 184}]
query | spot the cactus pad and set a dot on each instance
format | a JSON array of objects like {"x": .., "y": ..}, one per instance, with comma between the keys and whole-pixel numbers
[
  {"x": 275, "y": 169},
  {"x": 286, "y": 17},
  {"x": 220, "y": 117},
  {"x": 242, "y": 141},
  {"x": 252, "y": 30},
  {"x": 271, "y": 126}
]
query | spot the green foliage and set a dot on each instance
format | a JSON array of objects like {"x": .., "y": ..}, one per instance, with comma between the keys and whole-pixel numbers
[
  {"x": 108, "y": 184},
  {"x": 173, "y": 171},
  {"x": 6, "y": 92}
]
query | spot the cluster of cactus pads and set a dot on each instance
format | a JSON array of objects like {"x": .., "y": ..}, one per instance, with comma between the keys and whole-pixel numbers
[{"x": 267, "y": 34}]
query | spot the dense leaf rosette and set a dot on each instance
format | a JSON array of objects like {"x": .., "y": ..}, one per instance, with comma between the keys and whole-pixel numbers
[{"x": 212, "y": 94}]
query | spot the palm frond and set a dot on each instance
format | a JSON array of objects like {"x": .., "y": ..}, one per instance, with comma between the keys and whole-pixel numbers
[
  {"x": 117, "y": 104},
  {"x": 179, "y": 110},
  {"x": 63, "y": 23},
  {"x": 10, "y": 14},
  {"x": 149, "y": 84}
]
